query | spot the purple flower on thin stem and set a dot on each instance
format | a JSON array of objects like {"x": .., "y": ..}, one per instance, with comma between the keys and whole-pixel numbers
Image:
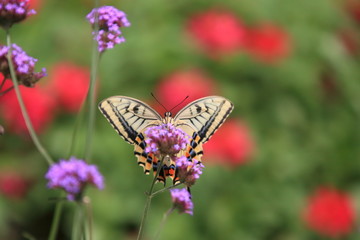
[
  {"x": 24, "y": 66},
  {"x": 73, "y": 176},
  {"x": 110, "y": 20},
  {"x": 188, "y": 171},
  {"x": 165, "y": 139},
  {"x": 181, "y": 199},
  {"x": 14, "y": 11}
]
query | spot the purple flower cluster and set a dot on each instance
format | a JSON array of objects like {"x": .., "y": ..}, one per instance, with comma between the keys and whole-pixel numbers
[
  {"x": 188, "y": 171},
  {"x": 110, "y": 21},
  {"x": 165, "y": 139},
  {"x": 72, "y": 176},
  {"x": 13, "y": 11},
  {"x": 181, "y": 199},
  {"x": 24, "y": 66}
]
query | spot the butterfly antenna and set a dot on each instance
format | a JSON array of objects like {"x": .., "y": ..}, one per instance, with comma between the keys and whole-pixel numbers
[
  {"x": 179, "y": 103},
  {"x": 159, "y": 102}
]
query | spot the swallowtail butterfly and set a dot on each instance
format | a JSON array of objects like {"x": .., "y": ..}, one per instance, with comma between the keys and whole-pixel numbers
[{"x": 199, "y": 119}]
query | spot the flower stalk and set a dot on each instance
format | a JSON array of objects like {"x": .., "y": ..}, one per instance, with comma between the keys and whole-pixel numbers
[
  {"x": 79, "y": 120},
  {"x": 6, "y": 91},
  {"x": 91, "y": 96},
  {"x": 88, "y": 208},
  {"x": 24, "y": 112},
  {"x": 148, "y": 200},
  {"x": 78, "y": 223},
  {"x": 167, "y": 188},
  {"x": 56, "y": 220},
  {"x": 163, "y": 221}
]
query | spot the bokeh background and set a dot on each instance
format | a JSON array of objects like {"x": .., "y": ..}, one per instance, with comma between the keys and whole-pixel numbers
[{"x": 285, "y": 166}]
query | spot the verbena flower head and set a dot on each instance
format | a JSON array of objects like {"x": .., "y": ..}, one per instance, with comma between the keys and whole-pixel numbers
[
  {"x": 165, "y": 139},
  {"x": 181, "y": 199},
  {"x": 24, "y": 66},
  {"x": 110, "y": 21},
  {"x": 73, "y": 176},
  {"x": 14, "y": 11},
  {"x": 188, "y": 171}
]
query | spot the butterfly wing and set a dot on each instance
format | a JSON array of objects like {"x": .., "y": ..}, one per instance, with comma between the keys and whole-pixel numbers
[
  {"x": 130, "y": 117},
  {"x": 200, "y": 119}
]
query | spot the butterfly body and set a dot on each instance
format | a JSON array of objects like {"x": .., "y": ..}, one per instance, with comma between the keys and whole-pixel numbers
[{"x": 199, "y": 119}]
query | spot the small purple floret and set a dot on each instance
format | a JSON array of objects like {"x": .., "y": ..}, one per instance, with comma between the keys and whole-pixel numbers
[
  {"x": 188, "y": 171},
  {"x": 24, "y": 66},
  {"x": 73, "y": 175},
  {"x": 181, "y": 199},
  {"x": 13, "y": 11},
  {"x": 165, "y": 139},
  {"x": 110, "y": 21}
]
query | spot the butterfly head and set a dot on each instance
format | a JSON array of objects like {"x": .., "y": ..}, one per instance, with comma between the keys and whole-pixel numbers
[{"x": 168, "y": 118}]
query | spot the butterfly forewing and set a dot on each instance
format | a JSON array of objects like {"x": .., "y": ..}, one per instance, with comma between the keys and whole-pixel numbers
[
  {"x": 204, "y": 116},
  {"x": 128, "y": 116}
]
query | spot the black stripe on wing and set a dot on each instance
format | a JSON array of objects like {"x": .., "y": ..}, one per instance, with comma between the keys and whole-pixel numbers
[
  {"x": 128, "y": 116},
  {"x": 125, "y": 128},
  {"x": 204, "y": 131},
  {"x": 205, "y": 115}
]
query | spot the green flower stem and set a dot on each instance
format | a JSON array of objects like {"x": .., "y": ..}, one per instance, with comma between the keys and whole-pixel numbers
[
  {"x": 92, "y": 102},
  {"x": 89, "y": 215},
  {"x": 163, "y": 221},
  {"x": 148, "y": 201},
  {"x": 2, "y": 83},
  {"x": 24, "y": 112},
  {"x": 91, "y": 97},
  {"x": 28, "y": 236},
  {"x": 78, "y": 121},
  {"x": 78, "y": 223},
  {"x": 5, "y": 91},
  {"x": 167, "y": 188},
  {"x": 56, "y": 220}
]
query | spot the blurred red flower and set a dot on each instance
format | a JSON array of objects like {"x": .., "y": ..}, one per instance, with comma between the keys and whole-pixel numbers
[
  {"x": 350, "y": 40},
  {"x": 268, "y": 43},
  {"x": 217, "y": 31},
  {"x": 39, "y": 103},
  {"x": 176, "y": 86},
  {"x": 231, "y": 145},
  {"x": 70, "y": 84},
  {"x": 13, "y": 185},
  {"x": 34, "y": 4},
  {"x": 330, "y": 212},
  {"x": 353, "y": 7}
]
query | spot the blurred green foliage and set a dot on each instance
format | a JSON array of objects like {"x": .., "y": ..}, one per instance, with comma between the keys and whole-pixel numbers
[{"x": 304, "y": 137}]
